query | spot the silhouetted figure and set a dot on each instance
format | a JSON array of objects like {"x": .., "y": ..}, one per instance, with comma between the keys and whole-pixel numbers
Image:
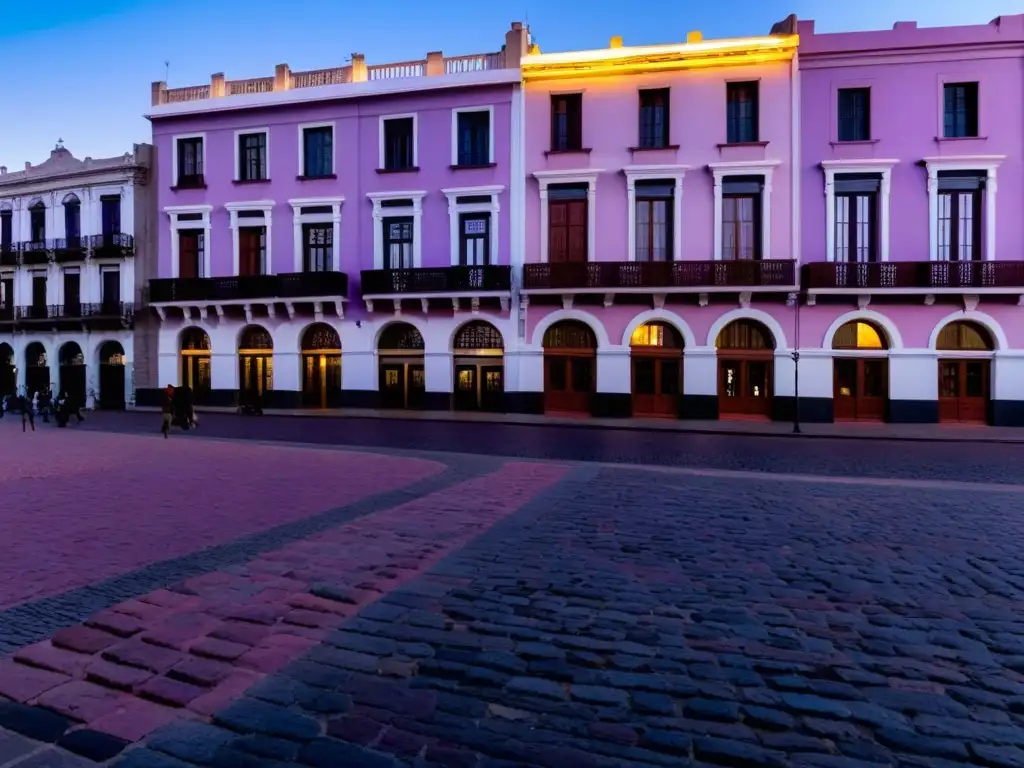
[
  {"x": 27, "y": 413},
  {"x": 167, "y": 410}
]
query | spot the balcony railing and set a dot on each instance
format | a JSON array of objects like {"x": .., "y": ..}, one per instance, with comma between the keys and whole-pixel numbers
[
  {"x": 35, "y": 252},
  {"x": 612, "y": 275},
  {"x": 75, "y": 310},
  {"x": 9, "y": 255},
  {"x": 7, "y": 313},
  {"x": 914, "y": 274},
  {"x": 112, "y": 245},
  {"x": 69, "y": 249},
  {"x": 292, "y": 285},
  {"x": 436, "y": 280}
]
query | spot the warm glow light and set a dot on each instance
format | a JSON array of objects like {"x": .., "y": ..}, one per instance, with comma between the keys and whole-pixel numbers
[{"x": 646, "y": 58}]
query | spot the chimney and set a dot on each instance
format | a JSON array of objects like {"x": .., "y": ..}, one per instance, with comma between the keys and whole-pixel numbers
[
  {"x": 158, "y": 93},
  {"x": 899, "y": 25},
  {"x": 517, "y": 42},
  {"x": 695, "y": 36},
  {"x": 615, "y": 42},
  {"x": 358, "y": 68},
  {"x": 28, "y": 165}
]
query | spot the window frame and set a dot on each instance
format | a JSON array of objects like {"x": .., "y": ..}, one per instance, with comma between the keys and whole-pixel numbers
[
  {"x": 385, "y": 224},
  {"x": 327, "y": 247},
  {"x": 650, "y": 199},
  {"x": 240, "y": 160},
  {"x": 855, "y": 91},
  {"x": 851, "y": 226},
  {"x": 572, "y": 131},
  {"x": 174, "y": 212},
  {"x": 972, "y": 119},
  {"x": 382, "y": 147},
  {"x": 757, "y": 224},
  {"x": 6, "y": 227},
  {"x": 38, "y": 208},
  {"x": 666, "y": 138},
  {"x": 302, "y": 128},
  {"x": 299, "y": 218},
  {"x": 176, "y": 140},
  {"x": 735, "y": 87},
  {"x": 457, "y": 114},
  {"x": 955, "y": 230},
  {"x": 381, "y": 211}
]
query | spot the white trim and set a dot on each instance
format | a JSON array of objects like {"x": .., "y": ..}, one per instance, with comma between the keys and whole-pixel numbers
[
  {"x": 517, "y": 186},
  {"x": 415, "y": 138},
  {"x": 987, "y": 163},
  {"x": 881, "y": 167},
  {"x": 492, "y": 191},
  {"x": 987, "y": 321},
  {"x": 756, "y": 168},
  {"x": 796, "y": 135},
  {"x": 301, "y": 128},
  {"x": 586, "y": 176},
  {"x": 298, "y": 219},
  {"x": 174, "y": 153},
  {"x": 664, "y": 316},
  {"x": 600, "y": 332},
  {"x": 233, "y": 209},
  {"x": 489, "y": 109},
  {"x": 895, "y": 339},
  {"x": 635, "y": 173},
  {"x": 173, "y": 211},
  {"x": 238, "y": 152},
  {"x": 415, "y": 210},
  {"x": 749, "y": 313}
]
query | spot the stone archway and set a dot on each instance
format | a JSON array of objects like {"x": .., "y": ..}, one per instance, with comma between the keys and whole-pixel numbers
[
  {"x": 746, "y": 369},
  {"x": 194, "y": 351},
  {"x": 860, "y": 366},
  {"x": 72, "y": 373},
  {"x": 321, "y": 366},
  {"x": 965, "y": 352},
  {"x": 37, "y": 369},
  {"x": 402, "y": 381},
  {"x": 479, "y": 360},
  {"x": 112, "y": 376},
  {"x": 570, "y": 367}
]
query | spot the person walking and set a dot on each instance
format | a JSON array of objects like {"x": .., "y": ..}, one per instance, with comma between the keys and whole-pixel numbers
[
  {"x": 27, "y": 413},
  {"x": 167, "y": 410}
]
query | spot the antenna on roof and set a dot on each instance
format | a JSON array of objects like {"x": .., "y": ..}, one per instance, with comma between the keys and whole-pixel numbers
[{"x": 167, "y": 71}]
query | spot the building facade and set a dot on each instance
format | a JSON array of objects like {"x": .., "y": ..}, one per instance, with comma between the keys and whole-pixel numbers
[{"x": 73, "y": 247}]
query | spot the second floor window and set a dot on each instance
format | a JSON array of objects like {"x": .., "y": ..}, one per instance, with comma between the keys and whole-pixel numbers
[
  {"x": 111, "y": 288},
  {"x": 960, "y": 110},
  {"x": 398, "y": 242},
  {"x": 654, "y": 119},
  {"x": 72, "y": 222},
  {"x": 318, "y": 152},
  {"x": 190, "y": 162},
  {"x": 566, "y": 122},
  {"x": 960, "y": 204},
  {"x": 190, "y": 253},
  {"x": 252, "y": 250},
  {"x": 741, "y": 112},
  {"x": 473, "y": 138},
  {"x": 317, "y": 247},
  {"x": 252, "y": 157},
  {"x": 741, "y": 219},
  {"x": 856, "y": 228},
  {"x": 475, "y": 239},
  {"x": 110, "y": 213},
  {"x": 399, "y": 144},
  {"x": 72, "y": 293},
  {"x": 6, "y": 228},
  {"x": 37, "y": 223},
  {"x": 854, "y": 114},
  {"x": 654, "y": 221}
]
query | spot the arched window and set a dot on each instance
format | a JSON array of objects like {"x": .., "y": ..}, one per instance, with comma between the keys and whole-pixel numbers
[
  {"x": 858, "y": 334},
  {"x": 320, "y": 336},
  {"x": 256, "y": 337},
  {"x": 6, "y": 354},
  {"x": 745, "y": 334},
  {"x": 71, "y": 354},
  {"x": 111, "y": 353},
  {"x": 965, "y": 336},
  {"x": 656, "y": 334},
  {"x": 195, "y": 339},
  {"x": 400, "y": 336},
  {"x": 70, "y": 199},
  {"x": 479, "y": 335},
  {"x": 570, "y": 334}
]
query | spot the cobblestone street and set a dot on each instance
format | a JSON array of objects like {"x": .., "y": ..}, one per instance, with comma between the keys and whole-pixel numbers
[{"x": 200, "y": 602}]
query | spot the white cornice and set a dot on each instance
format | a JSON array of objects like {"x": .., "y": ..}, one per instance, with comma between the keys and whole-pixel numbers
[
  {"x": 867, "y": 165},
  {"x": 251, "y": 205},
  {"x": 377, "y": 197}
]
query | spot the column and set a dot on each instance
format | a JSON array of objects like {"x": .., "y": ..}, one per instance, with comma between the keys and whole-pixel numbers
[
  {"x": 990, "y": 214},
  {"x": 718, "y": 218},
  {"x": 543, "y": 224},
  {"x": 677, "y": 220},
  {"x": 830, "y": 216},
  {"x": 631, "y": 218},
  {"x": 933, "y": 215}
]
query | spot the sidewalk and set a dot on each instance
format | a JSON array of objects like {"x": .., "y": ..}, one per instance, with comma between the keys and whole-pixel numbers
[{"x": 953, "y": 433}]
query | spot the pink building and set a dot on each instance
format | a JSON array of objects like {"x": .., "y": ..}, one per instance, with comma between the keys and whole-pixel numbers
[
  {"x": 661, "y": 227},
  {"x": 358, "y": 213},
  {"x": 912, "y": 221}
]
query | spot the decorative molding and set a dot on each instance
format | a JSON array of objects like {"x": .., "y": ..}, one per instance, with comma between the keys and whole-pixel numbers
[
  {"x": 174, "y": 212},
  {"x": 586, "y": 176},
  {"x": 267, "y": 207},
  {"x": 675, "y": 173},
  {"x": 415, "y": 211},
  {"x": 415, "y": 137},
  {"x": 489, "y": 109},
  {"x": 455, "y": 208},
  {"x": 299, "y": 218},
  {"x": 884, "y": 169},
  {"x": 755, "y": 168},
  {"x": 987, "y": 163}
]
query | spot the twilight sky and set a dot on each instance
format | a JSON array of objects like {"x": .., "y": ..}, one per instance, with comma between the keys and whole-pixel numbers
[{"x": 81, "y": 70}]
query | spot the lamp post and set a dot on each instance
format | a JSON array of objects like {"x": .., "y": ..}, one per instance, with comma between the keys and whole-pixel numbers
[{"x": 793, "y": 301}]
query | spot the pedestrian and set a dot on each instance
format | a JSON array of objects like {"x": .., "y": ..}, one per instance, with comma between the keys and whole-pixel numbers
[
  {"x": 167, "y": 410},
  {"x": 27, "y": 413}
]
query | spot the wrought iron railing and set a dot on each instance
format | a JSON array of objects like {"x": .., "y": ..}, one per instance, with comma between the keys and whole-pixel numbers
[
  {"x": 660, "y": 274},
  {"x": 914, "y": 274},
  {"x": 436, "y": 280},
  {"x": 292, "y": 285}
]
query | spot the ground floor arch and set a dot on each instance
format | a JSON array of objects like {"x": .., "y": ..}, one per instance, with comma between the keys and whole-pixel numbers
[
  {"x": 570, "y": 367},
  {"x": 860, "y": 367},
  {"x": 321, "y": 366},
  {"x": 255, "y": 361},
  {"x": 194, "y": 352},
  {"x": 965, "y": 372},
  {"x": 746, "y": 369},
  {"x": 72, "y": 373},
  {"x": 402, "y": 381},
  {"x": 8, "y": 371},
  {"x": 37, "y": 369},
  {"x": 112, "y": 376},
  {"x": 656, "y": 370},
  {"x": 478, "y": 356}
]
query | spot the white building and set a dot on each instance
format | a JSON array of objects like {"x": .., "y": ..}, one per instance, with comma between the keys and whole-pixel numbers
[{"x": 74, "y": 253}]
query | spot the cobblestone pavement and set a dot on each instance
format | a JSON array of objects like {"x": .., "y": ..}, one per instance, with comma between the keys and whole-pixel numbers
[
  {"x": 492, "y": 613},
  {"x": 871, "y": 458}
]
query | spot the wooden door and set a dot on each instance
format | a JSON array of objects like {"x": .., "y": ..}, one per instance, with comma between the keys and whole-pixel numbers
[
  {"x": 195, "y": 374},
  {"x": 656, "y": 385},
  {"x": 568, "y": 383},
  {"x": 860, "y": 389},
  {"x": 567, "y": 231},
  {"x": 492, "y": 387},
  {"x": 417, "y": 386},
  {"x": 466, "y": 383},
  {"x": 964, "y": 390},
  {"x": 744, "y": 387},
  {"x": 112, "y": 387},
  {"x": 188, "y": 254},
  {"x": 249, "y": 248},
  {"x": 72, "y": 384},
  {"x": 392, "y": 385}
]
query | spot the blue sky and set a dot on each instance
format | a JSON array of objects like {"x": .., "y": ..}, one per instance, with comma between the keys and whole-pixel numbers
[{"x": 81, "y": 70}]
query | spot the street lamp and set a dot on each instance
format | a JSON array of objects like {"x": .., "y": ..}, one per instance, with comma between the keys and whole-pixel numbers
[{"x": 793, "y": 301}]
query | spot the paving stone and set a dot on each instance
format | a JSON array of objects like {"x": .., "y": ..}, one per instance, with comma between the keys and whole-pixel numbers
[
  {"x": 173, "y": 693},
  {"x": 815, "y": 705},
  {"x": 112, "y": 675},
  {"x": 710, "y": 709},
  {"x": 147, "y": 758},
  {"x": 34, "y": 722},
  {"x": 916, "y": 743},
  {"x": 55, "y": 758},
  {"x": 94, "y": 745},
  {"x": 13, "y": 745},
  {"x": 114, "y": 623},
  {"x": 135, "y": 653},
  {"x": 213, "y": 648},
  {"x": 535, "y": 686},
  {"x": 645, "y": 702},
  {"x": 594, "y": 694},
  {"x": 355, "y": 729},
  {"x": 81, "y": 700},
  {"x": 22, "y": 683},
  {"x": 262, "y": 745},
  {"x": 203, "y": 672},
  {"x": 722, "y": 751},
  {"x": 45, "y": 656},
  {"x": 192, "y": 742},
  {"x": 998, "y": 756},
  {"x": 83, "y": 639},
  {"x": 328, "y": 753},
  {"x": 767, "y": 718},
  {"x": 252, "y": 716}
]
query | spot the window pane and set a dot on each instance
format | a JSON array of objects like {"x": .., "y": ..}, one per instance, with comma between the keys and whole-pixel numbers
[
  {"x": 670, "y": 377},
  {"x": 582, "y": 374},
  {"x": 643, "y": 377}
]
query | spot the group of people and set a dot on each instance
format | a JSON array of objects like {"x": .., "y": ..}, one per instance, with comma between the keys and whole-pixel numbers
[
  {"x": 177, "y": 409},
  {"x": 42, "y": 403}
]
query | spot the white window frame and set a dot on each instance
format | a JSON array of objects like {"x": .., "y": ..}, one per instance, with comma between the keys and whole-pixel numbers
[
  {"x": 763, "y": 168},
  {"x": 415, "y": 139},
  {"x": 987, "y": 163},
  {"x": 586, "y": 176},
  {"x": 238, "y": 154},
  {"x": 489, "y": 109},
  {"x": 173, "y": 212},
  {"x": 455, "y": 209},
  {"x": 267, "y": 207},
  {"x": 174, "y": 153},
  {"x": 298, "y": 219},
  {"x": 104, "y": 269},
  {"x": 302, "y": 147},
  {"x": 881, "y": 167},
  {"x": 674, "y": 173},
  {"x": 380, "y": 213}
]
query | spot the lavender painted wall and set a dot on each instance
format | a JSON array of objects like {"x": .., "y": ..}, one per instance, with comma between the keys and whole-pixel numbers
[
  {"x": 905, "y": 68},
  {"x": 697, "y": 124},
  {"x": 356, "y": 147}
]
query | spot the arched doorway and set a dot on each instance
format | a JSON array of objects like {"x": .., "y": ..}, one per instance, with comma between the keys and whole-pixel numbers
[
  {"x": 8, "y": 371},
  {"x": 965, "y": 368},
  {"x": 860, "y": 372},
  {"x": 112, "y": 384},
  {"x": 479, "y": 363},
  {"x": 37, "y": 369},
  {"x": 570, "y": 370},
  {"x": 656, "y": 357},
  {"x": 72, "y": 373},
  {"x": 195, "y": 363},
  {"x": 321, "y": 367},
  {"x": 746, "y": 354},
  {"x": 403, "y": 379},
  {"x": 255, "y": 361}
]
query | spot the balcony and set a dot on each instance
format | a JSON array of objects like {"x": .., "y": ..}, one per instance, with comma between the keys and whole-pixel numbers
[
  {"x": 116, "y": 313},
  {"x": 7, "y": 313},
  {"x": 9, "y": 255},
  {"x": 35, "y": 252},
  {"x": 68, "y": 249},
  {"x": 659, "y": 276},
  {"x": 453, "y": 283},
  {"x": 114, "y": 245},
  {"x": 916, "y": 277},
  {"x": 213, "y": 290}
]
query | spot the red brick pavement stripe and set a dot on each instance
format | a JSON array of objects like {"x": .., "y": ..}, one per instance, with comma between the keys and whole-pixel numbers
[
  {"x": 178, "y": 655},
  {"x": 101, "y": 505}
]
